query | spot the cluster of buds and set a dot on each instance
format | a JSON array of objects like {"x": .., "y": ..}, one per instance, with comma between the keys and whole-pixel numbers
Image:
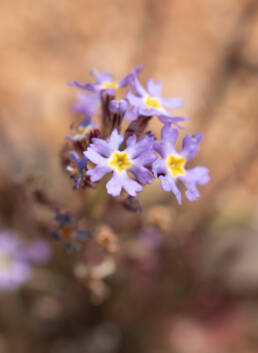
[{"x": 132, "y": 155}]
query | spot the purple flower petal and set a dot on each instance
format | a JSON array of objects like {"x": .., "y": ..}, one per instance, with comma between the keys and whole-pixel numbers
[
  {"x": 143, "y": 175},
  {"x": 115, "y": 140},
  {"x": 172, "y": 103},
  {"x": 101, "y": 146},
  {"x": 128, "y": 78},
  {"x": 94, "y": 156},
  {"x": 154, "y": 88},
  {"x": 98, "y": 172},
  {"x": 159, "y": 167},
  {"x": 191, "y": 145},
  {"x": 114, "y": 185},
  {"x": 168, "y": 183},
  {"x": 130, "y": 185}
]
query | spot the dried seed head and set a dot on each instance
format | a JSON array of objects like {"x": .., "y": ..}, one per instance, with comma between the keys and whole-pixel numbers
[
  {"x": 106, "y": 238},
  {"x": 161, "y": 217}
]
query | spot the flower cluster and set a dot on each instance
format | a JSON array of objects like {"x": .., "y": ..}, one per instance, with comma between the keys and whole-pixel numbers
[
  {"x": 135, "y": 157},
  {"x": 16, "y": 259}
]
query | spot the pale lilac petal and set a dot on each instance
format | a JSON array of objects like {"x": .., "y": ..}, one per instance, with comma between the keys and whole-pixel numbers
[
  {"x": 191, "y": 145},
  {"x": 131, "y": 141},
  {"x": 143, "y": 175},
  {"x": 137, "y": 86},
  {"x": 86, "y": 104},
  {"x": 135, "y": 148},
  {"x": 128, "y": 78},
  {"x": 9, "y": 242},
  {"x": 87, "y": 86},
  {"x": 114, "y": 185},
  {"x": 94, "y": 156},
  {"x": 14, "y": 276},
  {"x": 175, "y": 120},
  {"x": 196, "y": 176},
  {"x": 101, "y": 146},
  {"x": 172, "y": 103},
  {"x": 100, "y": 78},
  {"x": 154, "y": 88},
  {"x": 168, "y": 183},
  {"x": 134, "y": 100},
  {"x": 73, "y": 156},
  {"x": 145, "y": 158},
  {"x": 199, "y": 175},
  {"x": 146, "y": 111},
  {"x": 159, "y": 167},
  {"x": 159, "y": 147},
  {"x": 131, "y": 114},
  {"x": 38, "y": 251},
  {"x": 131, "y": 186},
  {"x": 169, "y": 135},
  {"x": 98, "y": 172},
  {"x": 115, "y": 140}
]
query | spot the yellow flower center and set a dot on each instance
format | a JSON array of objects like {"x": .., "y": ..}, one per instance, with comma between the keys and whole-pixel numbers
[
  {"x": 119, "y": 161},
  {"x": 5, "y": 261},
  {"x": 152, "y": 102},
  {"x": 112, "y": 85},
  {"x": 82, "y": 130},
  {"x": 176, "y": 164}
]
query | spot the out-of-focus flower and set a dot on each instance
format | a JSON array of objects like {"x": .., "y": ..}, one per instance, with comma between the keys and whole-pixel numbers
[
  {"x": 150, "y": 102},
  {"x": 105, "y": 82},
  {"x": 78, "y": 167},
  {"x": 171, "y": 166},
  {"x": 108, "y": 158},
  {"x": 86, "y": 104},
  {"x": 16, "y": 259},
  {"x": 93, "y": 278},
  {"x": 66, "y": 229},
  {"x": 82, "y": 130},
  {"x": 37, "y": 251}
]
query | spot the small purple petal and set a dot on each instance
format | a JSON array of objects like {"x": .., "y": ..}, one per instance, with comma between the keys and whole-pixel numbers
[
  {"x": 154, "y": 88},
  {"x": 101, "y": 146},
  {"x": 168, "y": 183},
  {"x": 127, "y": 79},
  {"x": 159, "y": 167},
  {"x": 191, "y": 145},
  {"x": 94, "y": 156},
  {"x": 114, "y": 185},
  {"x": 175, "y": 120},
  {"x": 98, "y": 172},
  {"x": 143, "y": 175},
  {"x": 131, "y": 186},
  {"x": 172, "y": 103},
  {"x": 115, "y": 140}
]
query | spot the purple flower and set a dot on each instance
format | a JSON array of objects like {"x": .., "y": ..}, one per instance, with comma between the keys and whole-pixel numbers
[
  {"x": 37, "y": 252},
  {"x": 171, "y": 166},
  {"x": 150, "y": 102},
  {"x": 16, "y": 259},
  {"x": 78, "y": 168},
  {"x": 105, "y": 82},
  {"x": 134, "y": 158},
  {"x": 82, "y": 131},
  {"x": 119, "y": 106},
  {"x": 86, "y": 104}
]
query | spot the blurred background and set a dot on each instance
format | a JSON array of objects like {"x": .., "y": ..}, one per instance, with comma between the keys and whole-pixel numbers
[{"x": 187, "y": 277}]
